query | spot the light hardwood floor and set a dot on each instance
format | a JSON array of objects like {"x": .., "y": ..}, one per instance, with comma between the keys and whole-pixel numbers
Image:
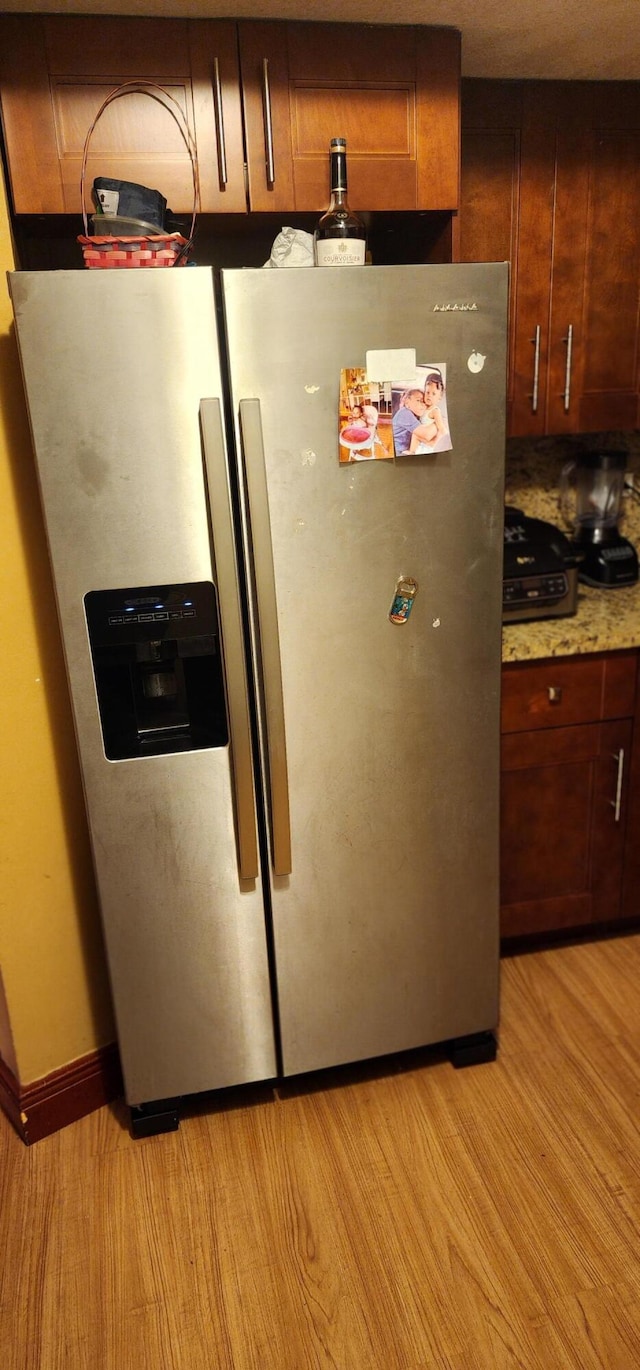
[{"x": 388, "y": 1219}]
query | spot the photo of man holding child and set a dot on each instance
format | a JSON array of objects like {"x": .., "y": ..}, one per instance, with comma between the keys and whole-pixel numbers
[{"x": 420, "y": 420}]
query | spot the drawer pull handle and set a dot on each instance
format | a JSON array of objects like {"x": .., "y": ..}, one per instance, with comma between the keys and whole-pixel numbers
[
  {"x": 555, "y": 694},
  {"x": 617, "y": 802}
]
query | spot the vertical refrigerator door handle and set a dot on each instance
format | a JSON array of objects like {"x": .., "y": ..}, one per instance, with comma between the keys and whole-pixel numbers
[
  {"x": 256, "y": 482},
  {"x": 220, "y": 511}
]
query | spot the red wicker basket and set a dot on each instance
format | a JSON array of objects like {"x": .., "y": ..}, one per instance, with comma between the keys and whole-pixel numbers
[{"x": 153, "y": 249}]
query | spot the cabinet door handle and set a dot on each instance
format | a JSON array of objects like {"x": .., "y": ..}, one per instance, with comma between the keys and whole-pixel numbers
[
  {"x": 536, "y": 369},
  {"x": 567, "y": 374},
  {"x": 617, "y": 802},
  {"x": 219, "y": 117},
  {"x": 555, "y": 694},
  {"x": 268, "y": 127}
]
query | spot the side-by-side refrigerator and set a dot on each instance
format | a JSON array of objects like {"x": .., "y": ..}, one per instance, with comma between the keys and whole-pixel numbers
[{"x": 283, "y": 652}]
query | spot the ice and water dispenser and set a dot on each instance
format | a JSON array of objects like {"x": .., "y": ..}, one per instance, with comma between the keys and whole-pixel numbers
[{"x": 157, "y": 668}]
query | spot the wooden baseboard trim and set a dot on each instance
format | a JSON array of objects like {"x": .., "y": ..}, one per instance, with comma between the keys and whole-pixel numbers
[{"x": 44, "y": 1106}]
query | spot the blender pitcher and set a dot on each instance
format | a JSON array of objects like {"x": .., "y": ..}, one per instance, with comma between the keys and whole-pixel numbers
[{"x": 590, "y": 501}]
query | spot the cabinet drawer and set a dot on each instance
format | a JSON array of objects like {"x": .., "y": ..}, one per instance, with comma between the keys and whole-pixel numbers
[{"x": 560, "y": 692}]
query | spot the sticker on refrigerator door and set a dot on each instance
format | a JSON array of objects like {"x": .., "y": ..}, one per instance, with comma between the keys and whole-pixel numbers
[
  {"x": 402, "y": 604},
  {"x": 420, "y": 418},
  {"x": 476, "y": 362},
  {"x": 364, "y": 422}
]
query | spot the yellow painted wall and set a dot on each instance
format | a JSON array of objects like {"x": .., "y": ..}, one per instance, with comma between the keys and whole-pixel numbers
[{"x": 57, "y": 1004}]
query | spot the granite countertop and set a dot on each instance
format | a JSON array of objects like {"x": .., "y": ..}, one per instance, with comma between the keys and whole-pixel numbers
[{"x": 606, "y": 620}]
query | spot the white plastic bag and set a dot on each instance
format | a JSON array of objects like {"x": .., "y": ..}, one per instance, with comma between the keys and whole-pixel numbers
[{"x": 292, "y": 247}]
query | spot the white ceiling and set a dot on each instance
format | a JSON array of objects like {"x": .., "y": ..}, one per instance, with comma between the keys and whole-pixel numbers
[{"x": 589, "y": 39}]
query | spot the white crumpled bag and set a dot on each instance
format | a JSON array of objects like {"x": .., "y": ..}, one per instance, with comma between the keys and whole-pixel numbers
[{"x": 292, "y": 247}]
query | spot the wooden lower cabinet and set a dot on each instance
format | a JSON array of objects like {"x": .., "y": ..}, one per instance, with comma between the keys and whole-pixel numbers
[
  {"x": 565, "y": 792},
  {"x": 631, "y": 876}
]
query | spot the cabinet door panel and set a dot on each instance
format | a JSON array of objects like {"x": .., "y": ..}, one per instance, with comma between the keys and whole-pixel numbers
[
  {"x": 631, "y": 883},
  {"x": 392, "y": 92},
  {"x": 56, "y": 72},
  {"x": 506, "y": 214},
  {"x": 131, "y": 141},
  {"x": 561, "y": 828},
  {"x": 609, "y": 820},
  {"x": 489, "y": 185},
  {"x": 609, "y": 391},
  {"x": 532, "y": 278},
  {"x": 546, "y": 812}
]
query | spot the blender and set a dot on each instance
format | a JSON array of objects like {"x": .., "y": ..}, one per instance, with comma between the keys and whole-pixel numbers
[{"x": 591, "y": 488}]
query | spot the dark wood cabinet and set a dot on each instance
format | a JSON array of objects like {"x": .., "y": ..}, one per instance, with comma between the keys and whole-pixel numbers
[
  {"x": 392, "y": 92},
  {"x": 631, "y": 879},
  {"x": 567, "y": 732},
  {"x": 551, "y": 179},
  {"x": 286, "y": 89},
  {"x": 55, "y": 72}
]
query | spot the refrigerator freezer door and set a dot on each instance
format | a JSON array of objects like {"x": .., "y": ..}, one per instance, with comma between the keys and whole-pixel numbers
[
  {"x": 386, "y": 930},
  {"x": 115, "y": 364}
]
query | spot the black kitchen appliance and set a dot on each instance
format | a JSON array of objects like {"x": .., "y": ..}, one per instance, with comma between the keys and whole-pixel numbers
[
  {"x": 591, "y": 489},
  {"x": 540, "y": 579}
]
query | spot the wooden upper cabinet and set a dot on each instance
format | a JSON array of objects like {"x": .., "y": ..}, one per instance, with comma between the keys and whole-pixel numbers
[
  {"x": 56, "y": 71},
  {"x": 598, "y": 167},
  {"x": 561, "y": 164},
  {"x": 393, "y": 93}
]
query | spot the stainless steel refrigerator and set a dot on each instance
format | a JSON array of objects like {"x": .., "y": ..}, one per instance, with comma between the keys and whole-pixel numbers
[{"x": 292, "y": 797}]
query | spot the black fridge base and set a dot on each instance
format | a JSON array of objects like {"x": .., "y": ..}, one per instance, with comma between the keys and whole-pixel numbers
[
  {"x": 474, "y": 1050},
  {"x": 160, "y": 1115}
]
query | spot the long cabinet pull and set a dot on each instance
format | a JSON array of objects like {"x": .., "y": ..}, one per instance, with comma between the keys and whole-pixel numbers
[
  {"x": 256, "y": 482},
  {"x": 617, "y": 802},
  {"x": 219, "y": 117},
  {"x": 268, "y": 125},
  {"x": 220, "y": 512},
  {"x": 567, "y": 374},
  {"x": 536, "y": 370}
]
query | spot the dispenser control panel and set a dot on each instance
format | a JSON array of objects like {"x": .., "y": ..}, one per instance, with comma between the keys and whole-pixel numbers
[{"x": 158, "y": 611}]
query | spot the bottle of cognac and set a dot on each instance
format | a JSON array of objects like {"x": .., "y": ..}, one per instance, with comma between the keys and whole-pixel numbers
[{"x": 340, "y": 236}]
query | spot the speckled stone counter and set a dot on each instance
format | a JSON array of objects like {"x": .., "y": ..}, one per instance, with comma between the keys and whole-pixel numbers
[{"x": 606, "y": 620}]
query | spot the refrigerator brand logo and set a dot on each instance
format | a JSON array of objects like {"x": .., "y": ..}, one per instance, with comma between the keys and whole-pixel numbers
[{"x": 452, "y": 308}]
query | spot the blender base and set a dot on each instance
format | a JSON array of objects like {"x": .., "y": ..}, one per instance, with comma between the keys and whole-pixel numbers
[{"x": 607, "y": 565}]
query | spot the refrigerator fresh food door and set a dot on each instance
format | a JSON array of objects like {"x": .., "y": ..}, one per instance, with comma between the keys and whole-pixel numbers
[
  {"x": 382, "y": 737},
  {"x": 115, "y": 365}
]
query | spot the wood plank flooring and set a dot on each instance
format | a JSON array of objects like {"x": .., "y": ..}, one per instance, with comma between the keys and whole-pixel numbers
[{"x": 390, "y": 1218}]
